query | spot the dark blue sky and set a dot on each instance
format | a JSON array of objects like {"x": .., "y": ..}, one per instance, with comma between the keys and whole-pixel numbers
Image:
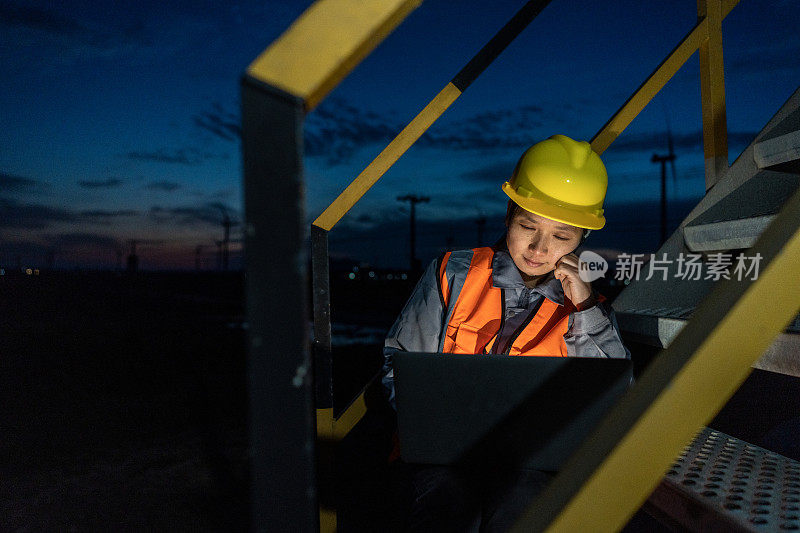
[{"x": 122, "y": 122}]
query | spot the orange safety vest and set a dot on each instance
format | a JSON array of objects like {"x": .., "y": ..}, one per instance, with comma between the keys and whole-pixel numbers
[{"x": 479, "y": 311}]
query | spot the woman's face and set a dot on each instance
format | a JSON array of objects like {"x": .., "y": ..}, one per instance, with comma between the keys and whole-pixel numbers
[{"x": 536, "y": 243}]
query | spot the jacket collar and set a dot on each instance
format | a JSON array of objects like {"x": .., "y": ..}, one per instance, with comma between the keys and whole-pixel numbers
[{"x": 505, "y": 275}]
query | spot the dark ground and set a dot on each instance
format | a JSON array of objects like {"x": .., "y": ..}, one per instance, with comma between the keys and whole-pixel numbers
[{"x": 123, "y": 405}]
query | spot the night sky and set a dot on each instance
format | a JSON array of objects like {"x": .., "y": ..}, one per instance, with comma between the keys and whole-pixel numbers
[{"x": 122, "y": 122}]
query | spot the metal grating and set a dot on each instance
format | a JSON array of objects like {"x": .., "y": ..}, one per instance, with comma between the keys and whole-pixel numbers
[{"x": 757, "y": 489}]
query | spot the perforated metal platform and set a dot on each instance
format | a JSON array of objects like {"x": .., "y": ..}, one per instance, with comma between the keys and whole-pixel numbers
[{"x": 720, "y": 483}]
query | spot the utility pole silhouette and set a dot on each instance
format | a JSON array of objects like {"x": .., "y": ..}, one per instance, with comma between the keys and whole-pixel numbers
[
  {"x": 226, "y": 225},
  {"x": 133, "y": 259},
  {"x": 220, "y": 253},
  {"x": 664, "y": 159},
  {"x": 413, "y": 200},
  {"x": 198, "y": 256}
]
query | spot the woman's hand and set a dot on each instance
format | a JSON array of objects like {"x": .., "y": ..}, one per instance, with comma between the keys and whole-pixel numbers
[{"x": 579, "y": 292}]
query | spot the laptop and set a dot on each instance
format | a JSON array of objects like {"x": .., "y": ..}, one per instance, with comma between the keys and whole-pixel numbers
[{"x": 514, "y": 411}]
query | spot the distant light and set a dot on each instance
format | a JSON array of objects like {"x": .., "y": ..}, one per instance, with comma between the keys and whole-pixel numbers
[
  {"x": 404, "y": 276},
  {"x": 35, "y": 271},
  {"x": 351, "y": 275},
  {"x": 2, "y": 271},
  {"x": 371, "y": 274},
  {"x": 389, "y": 276},
  {"x": 355, "y": 269},
  {"x": 29, "y": 271}
]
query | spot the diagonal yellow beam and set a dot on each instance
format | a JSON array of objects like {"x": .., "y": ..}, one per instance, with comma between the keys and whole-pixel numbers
[
  {"x": 656, "y": 81},
  {"x": 351, "y": 416},
  {"x": 325, "y": 43},
  {"x": 647, "y": 90},
  {"x": 400, "y": 144},
  {"x": 388, "y": 157},
  {"x": 620, "y": 464},
  {"x": 335, "y": 429}
]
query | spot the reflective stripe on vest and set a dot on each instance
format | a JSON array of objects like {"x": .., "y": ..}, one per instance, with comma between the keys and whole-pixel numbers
[{"x": 477, "y": 317}]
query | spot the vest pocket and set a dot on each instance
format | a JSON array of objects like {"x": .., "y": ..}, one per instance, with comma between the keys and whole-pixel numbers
[{"x": 468, "y": 339}]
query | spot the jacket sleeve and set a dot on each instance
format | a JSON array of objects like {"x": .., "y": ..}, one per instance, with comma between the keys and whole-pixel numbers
[
  {"x": 418, "y": 327},
  {"x": 594, "y": 333}
]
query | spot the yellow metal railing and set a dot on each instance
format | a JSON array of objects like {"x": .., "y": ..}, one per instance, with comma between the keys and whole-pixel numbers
[
  {"x": 705, "y": 36},
  {"x": 624, "y": 459},
  {"x": 322, "y": 46},
  {"x": 619, "y": 465}
]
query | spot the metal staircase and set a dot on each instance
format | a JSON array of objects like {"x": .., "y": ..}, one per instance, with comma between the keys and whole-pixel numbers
[
  {"x": 704, "y": 489},
  {"x": 728, "y": 220},
  {"x": 751, "y": 208}
]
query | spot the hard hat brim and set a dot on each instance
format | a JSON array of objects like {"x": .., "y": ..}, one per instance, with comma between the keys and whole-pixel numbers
[{"x": 564, "y": 214}]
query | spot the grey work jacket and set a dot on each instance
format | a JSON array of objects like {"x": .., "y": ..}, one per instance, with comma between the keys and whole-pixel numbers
[{"x": 420, "y": 327}]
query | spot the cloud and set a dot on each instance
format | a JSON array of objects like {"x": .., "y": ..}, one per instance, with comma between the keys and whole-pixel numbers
[
  {"x": 108, "y": 183},
  {"x": 83, "y": 240},
  {"x": 222, "y": 123},
  {"x": 631, "y": 226},
  {"x": 40, "y": 19},
  {"x": 23, "y": 249},
  {"x": 10, "y": 183},
  {"x": 30, "y": 216},
  {"x": 179, "y": 157},
  {"x": 167, "y": 186},
  {"x": 502, "y": 128},
  {"x": 210, "y": 214},
  {"x": 656, "y": 141},
  {"x": 781, "y": 55},
  {"x": 495, "y": 173},
  {"x": 336, "y": 130},
  {"x": 43, "y": 40},
  {"x": 102, "y": 216}
]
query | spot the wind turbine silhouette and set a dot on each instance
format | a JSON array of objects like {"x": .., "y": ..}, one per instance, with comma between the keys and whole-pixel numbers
[
  {"x": 664, "y": 159},
  {"x": 222, "y": 246}
]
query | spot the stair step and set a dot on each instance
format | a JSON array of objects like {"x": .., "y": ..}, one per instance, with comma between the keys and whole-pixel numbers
[
  {"x": 736, "y": 221},
  {"x": 659, "y": 327},
  {"x": 720, "y": 483},
  {"x": 783, "y": 150},
  {"x": 726, "y": 235}
]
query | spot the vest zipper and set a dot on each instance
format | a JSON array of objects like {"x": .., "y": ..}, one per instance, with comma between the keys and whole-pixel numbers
[{"x": 522, "y": 326}]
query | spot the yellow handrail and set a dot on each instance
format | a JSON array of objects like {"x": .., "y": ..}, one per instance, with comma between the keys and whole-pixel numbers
[
  {"x": 325, "y": 43},
  {"x": 696, "y": 39},
  {"x": 623, "y": 460}
]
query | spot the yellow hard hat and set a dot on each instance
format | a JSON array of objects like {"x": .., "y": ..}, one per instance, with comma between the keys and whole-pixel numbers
[{"x": 563, "y": 180}]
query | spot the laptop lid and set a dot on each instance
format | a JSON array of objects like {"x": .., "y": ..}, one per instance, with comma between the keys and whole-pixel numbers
[{"x": 531, "y": 412}]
